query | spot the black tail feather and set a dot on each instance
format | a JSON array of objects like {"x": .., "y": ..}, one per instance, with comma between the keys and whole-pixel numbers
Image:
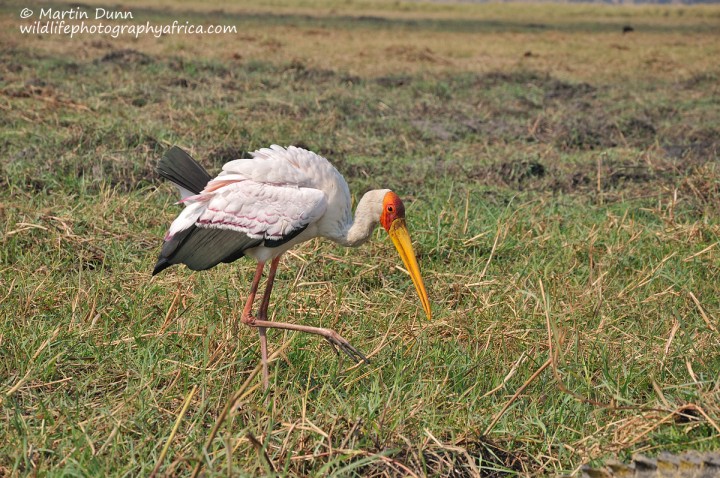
[{"x": 180, "y": 168}]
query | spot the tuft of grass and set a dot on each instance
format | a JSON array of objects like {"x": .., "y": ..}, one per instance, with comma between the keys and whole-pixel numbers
[{"x": 563, "y": 193}]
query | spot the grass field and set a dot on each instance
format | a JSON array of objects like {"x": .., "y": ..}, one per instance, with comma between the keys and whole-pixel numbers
[{"x": 563, "y": 189}]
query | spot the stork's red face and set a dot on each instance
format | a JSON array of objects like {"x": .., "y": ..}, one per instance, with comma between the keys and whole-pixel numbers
[
  {"x": 393, "y": 220},
  {"x": 393, "y": 208}
]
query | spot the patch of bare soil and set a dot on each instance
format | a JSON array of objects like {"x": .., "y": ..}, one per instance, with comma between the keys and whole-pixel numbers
[
  {"x": 415, "y": 54},
  {"x": 126, "y": 57}
]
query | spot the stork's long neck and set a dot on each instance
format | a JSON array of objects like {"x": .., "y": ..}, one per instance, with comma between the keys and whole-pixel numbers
[{"x": 367, "y": 215}]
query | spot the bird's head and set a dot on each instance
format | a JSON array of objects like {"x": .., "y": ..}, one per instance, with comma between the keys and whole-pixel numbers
[{"x": 392, "y": 219}]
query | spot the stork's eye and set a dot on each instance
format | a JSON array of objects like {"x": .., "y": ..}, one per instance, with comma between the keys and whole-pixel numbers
[{"x": 390, "y": 209}]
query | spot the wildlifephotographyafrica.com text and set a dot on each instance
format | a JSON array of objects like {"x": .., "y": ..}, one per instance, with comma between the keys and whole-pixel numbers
[{"x": 101, "y": 21}]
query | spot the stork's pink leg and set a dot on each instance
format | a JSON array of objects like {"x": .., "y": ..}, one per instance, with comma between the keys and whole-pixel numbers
[
  {"x": 262, "y": 315},
  {"x": 263, "y": 324},
  {"x": 330, "y": 335},
  {"x": 247, "y": 317}
]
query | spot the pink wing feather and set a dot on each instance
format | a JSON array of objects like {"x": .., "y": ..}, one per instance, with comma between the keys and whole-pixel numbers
[{"x": 261, "y": 211}]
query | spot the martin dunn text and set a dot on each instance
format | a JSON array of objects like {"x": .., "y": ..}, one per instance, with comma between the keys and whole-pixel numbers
[{"x": 78, "y": 14}]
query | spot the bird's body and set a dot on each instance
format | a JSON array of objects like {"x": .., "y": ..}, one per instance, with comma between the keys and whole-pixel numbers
[
  {"x": 262, "y": 206},
  {"x": 271, "y": 202}
]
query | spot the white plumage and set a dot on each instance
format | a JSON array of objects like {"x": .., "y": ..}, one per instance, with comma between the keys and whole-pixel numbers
[{"x": 269, "y": 196}]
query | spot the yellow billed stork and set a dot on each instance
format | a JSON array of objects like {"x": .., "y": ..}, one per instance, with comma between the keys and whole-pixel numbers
[{"x": 264, "y": 205}]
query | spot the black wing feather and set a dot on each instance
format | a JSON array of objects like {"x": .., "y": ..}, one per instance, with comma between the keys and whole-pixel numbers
[{"x": 201, "y": 248}]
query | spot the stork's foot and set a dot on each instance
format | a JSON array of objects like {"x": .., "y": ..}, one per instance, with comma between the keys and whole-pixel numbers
[
  {"x": 338, "y": 342},
  {"x": 330, "y": 335}
]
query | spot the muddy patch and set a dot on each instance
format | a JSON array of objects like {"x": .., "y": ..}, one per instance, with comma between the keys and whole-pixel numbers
[
  {"x": 517, "y": 174},
  {"x": 126, "y": 57},
  {"x": 638, "y": 131},
  {"x": 701, "y": 80},
  {"x": 415, "y": 54},
  {"x": 561, "y": 90},
  {"x": 701, "y": 144},
  {"x": 634, "y": 176},
  {"x": 393, "y": 81},
  {"x": 583, "y": 133}
]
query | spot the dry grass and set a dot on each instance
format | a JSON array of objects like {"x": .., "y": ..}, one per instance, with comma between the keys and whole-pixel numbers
[
  {"x": 565, "y": 205},
  {"x": 578, "y": 42}
]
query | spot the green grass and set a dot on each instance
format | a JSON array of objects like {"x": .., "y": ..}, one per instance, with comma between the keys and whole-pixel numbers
[{"x": 565, "y": 209}]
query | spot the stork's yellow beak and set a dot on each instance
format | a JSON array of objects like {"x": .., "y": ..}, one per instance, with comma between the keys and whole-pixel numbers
[{"x": 400, "y": 236}]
